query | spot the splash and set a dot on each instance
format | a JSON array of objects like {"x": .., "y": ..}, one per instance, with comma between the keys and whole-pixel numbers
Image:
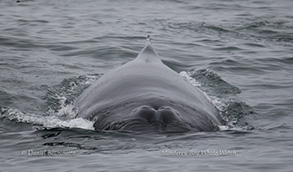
[
  {"x": 64, "y": 93},
  {"x": 213, "y": 99},
  {"x": 61, "y": 112},
  {"x": 45, "y": 121},
  {"x": 187, "y": 77},
  {"x": 223, "y": 96}
]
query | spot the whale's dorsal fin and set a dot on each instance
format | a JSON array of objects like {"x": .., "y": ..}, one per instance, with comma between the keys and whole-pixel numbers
[{"x": 148, "y": 53}]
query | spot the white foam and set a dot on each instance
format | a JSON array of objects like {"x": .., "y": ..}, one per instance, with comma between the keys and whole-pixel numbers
[
  {"x": 48, "y": 121},
  {"x": 232, "y": 128},
  {"x": 71, "y": 123},
  {"x": 91, "y": 79},
  {"x": 186, "y": 75},
  {"x": 67, "y": 110},
  {"x": 224, "y": 127}
]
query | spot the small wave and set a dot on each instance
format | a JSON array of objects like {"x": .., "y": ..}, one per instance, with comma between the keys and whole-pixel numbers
[
  {"x": 268, "y": 30},
  {"x": 229, "y": 48}
]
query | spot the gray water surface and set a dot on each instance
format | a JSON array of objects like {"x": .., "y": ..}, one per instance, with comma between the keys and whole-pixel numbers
[{"x": 237, "y": 52}]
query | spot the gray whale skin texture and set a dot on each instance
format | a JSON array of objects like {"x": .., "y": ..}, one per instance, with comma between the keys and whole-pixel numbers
[{"x": 144, "y": 94}]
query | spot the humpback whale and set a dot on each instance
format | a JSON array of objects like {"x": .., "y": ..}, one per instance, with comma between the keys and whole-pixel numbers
[{"x": 145, "y": 94}]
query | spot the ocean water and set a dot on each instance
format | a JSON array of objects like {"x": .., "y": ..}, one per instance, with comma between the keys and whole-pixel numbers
[{"x": 239, "y": 53}]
